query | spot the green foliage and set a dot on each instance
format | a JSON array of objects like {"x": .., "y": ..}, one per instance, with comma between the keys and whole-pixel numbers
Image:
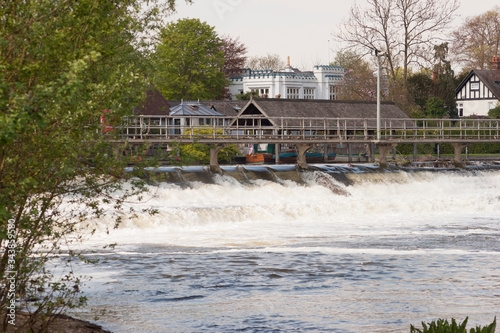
[
  {"x": 420, "y": 87},
  {"x": 189, "y": 61},
  {"x": 494, "y": 113},
  {"x": 200, "y": 153},
  {"x": 246, "y": 96},
  {"x": 435, "y": 108},
  {"x": 443, "y": 326},
  {"x": 62, "y": 62},
  {"x": 434, "y": 89}
]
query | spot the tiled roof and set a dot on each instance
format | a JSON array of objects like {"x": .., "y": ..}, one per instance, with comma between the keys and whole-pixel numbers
[
  {"x": 491, "y": 79},
  {"x": 193, "y": 109},
  {"x": 154, "y": 105},
  {"x": 276, "y": 109}
]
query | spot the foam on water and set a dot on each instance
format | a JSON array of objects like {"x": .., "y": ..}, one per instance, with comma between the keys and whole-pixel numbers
[
  {"x": 275, "y": 250},
  {"x": 258, "y": 212}
]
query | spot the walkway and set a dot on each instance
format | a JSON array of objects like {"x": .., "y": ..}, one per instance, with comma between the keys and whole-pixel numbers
[{"x": 306, "y": 132}]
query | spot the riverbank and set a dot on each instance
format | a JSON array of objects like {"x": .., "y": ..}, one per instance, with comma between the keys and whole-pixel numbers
[{"x": 62, "y": 324}]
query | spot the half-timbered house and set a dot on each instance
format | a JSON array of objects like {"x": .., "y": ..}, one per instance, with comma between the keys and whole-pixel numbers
[{"x": 479, "y": 92}]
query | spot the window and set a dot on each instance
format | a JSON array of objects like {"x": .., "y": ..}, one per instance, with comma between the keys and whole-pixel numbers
[
  {"x": 263, "y": 92},
  {"x": 334, "y": 92},
  {"x": 460, "y": 109},
  {"x": 293, "y": 93},
  {"x": 308, "y": 93}
]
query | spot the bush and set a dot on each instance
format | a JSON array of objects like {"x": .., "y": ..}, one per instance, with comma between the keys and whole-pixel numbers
[
  {"x": 443, "y": 326},
  {"x": 494, "y": 113}
]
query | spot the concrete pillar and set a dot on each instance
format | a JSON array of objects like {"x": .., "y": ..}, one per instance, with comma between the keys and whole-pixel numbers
[
  {"x": 214, "y": 163},
  {"x": 372, "y": 152},
  {"x": 457, "y": 159},
  {"x": 384, "y": 150},
  {"x": 302, "y": 148}
]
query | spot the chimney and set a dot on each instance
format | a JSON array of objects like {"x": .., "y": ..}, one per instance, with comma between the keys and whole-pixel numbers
[
  {"x": 288, "y": 62},
  {"x": 495, "y": 64}
]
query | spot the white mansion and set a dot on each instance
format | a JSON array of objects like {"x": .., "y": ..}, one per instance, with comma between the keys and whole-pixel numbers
[{"x": 290, "y": 83}]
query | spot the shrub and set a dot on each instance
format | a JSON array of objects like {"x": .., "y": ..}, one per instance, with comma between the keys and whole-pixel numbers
[
  {"x": 494, "y": 113},
  {"x": 443, "y": 326}
]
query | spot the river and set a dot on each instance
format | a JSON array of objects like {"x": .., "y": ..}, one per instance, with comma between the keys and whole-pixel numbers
[{"x": 270, "y": 249}]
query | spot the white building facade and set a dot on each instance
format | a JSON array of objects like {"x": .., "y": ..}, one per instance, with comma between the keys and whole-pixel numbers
[{"x": 321, "y": 83}]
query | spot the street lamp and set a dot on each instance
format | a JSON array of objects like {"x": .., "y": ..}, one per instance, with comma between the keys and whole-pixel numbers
[{"x": 378, "y": 55}]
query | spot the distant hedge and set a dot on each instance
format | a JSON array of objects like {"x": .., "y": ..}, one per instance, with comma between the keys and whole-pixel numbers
[{"x": 431, "y": 148}]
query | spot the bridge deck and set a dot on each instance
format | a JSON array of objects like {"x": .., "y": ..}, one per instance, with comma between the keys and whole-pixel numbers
[{"x": 312, "y": 130}]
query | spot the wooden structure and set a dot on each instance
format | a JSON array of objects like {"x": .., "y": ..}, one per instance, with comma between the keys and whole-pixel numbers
[{"x": 305, "y": 123}]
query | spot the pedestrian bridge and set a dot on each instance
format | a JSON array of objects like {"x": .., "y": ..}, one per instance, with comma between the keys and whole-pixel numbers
[{"x": 306, "y": 132}]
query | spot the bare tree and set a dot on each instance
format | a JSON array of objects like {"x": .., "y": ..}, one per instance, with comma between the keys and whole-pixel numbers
[
  {"x": 269, "y": 61},
  {"x": 478, "y": 40},
  {"x": 405, "y": 30}
]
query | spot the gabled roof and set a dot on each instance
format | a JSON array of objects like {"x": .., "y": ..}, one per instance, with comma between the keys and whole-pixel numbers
[
  {"x": 490, "y": 78},
  {"x": 276, "y": 109},
  {"x": 193, "y": 109},
  {"x": 228, "y": 108},
  {"x": 154, "y": 105}
]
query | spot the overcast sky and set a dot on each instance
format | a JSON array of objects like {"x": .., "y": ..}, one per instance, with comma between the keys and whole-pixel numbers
[{"x": 300, "y": 29}]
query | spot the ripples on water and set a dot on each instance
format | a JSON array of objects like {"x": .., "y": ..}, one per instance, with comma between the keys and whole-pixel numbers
[{"x": 282, "y": 254}]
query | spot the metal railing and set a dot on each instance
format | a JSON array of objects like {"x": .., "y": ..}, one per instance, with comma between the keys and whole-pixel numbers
[{"x": 290, "y": 129}]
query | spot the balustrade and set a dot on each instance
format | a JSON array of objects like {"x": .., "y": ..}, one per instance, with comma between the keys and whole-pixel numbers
[{"x": 290, "y": 129}]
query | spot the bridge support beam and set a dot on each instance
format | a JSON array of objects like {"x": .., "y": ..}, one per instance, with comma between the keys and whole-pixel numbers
[
  {"x": 457, "y": 159},
  {"x": 214, "y": 163},
  {"x": 301, "y": 155},
  {"x": 384, "y": 150}
]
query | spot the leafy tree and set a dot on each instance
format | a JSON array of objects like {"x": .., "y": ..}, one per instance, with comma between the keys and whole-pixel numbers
[
  {"x": 494, "y": 113},
  {"x": 62, "y": 62},
  {"x": 477, "y": 41},
  {"x": 189, "y": 61},
  {"x": 200, "y": 153},
  {"x": 234, "y": 55},
  {"x": 435, "y": 108},
  {"x": 269, "y": 61},
  {"x": 420, "y": 86},
  {"x": 234, "y": 59},
  {"x": 429, "y": 87}
]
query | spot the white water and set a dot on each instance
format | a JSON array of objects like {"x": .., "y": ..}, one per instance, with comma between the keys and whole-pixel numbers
[{"x": 285, "y": 256}]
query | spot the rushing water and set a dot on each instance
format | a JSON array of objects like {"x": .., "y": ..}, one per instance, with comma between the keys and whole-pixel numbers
[{"x": 339, "y": 249}]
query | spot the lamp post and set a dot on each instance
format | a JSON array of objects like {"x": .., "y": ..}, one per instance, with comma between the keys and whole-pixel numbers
[{"x": 378, "y": 55}]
